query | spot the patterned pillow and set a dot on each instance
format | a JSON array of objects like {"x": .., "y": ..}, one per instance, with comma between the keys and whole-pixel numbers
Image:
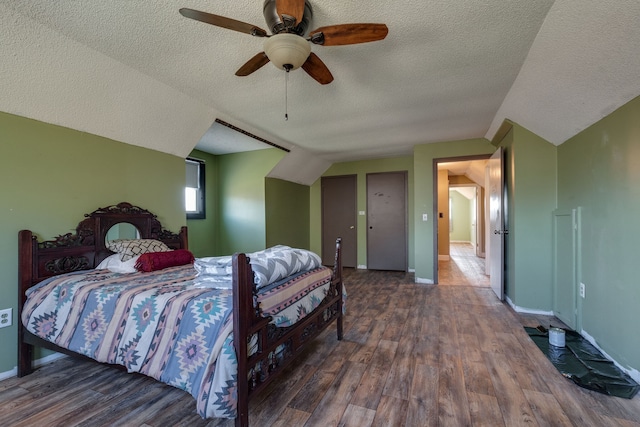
[
  {"x": 278, "y": 262},
  {"x": 128, "y": 248},
  {"x": 268, "y": 265}
]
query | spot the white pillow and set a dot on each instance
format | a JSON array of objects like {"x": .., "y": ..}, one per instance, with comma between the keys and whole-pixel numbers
[{"x": 114, "y": 264}]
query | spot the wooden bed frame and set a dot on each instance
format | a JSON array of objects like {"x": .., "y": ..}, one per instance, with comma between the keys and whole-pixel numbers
[{"x": 86, "y": 249}]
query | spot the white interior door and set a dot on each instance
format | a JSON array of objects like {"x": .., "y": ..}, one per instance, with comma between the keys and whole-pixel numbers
[{"x": 496, "y": 223}]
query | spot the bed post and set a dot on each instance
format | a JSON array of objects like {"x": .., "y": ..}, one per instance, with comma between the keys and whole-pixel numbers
[
  {"x": 337, "y": 275},
  {"x": 26, "y": 242},
  {"x": 184, "y": 237},
  {"x": 242, "y": 319}
]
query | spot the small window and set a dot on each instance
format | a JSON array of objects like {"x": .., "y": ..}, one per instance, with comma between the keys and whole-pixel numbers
[{"x": 194, "y": 190}]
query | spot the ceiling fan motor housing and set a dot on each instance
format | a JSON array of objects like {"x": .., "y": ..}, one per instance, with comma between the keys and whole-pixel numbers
[{"x": 277, "y": 25}]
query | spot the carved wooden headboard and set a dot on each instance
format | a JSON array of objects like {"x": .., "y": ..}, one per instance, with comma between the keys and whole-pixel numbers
[{"x": 87, "y": 247}]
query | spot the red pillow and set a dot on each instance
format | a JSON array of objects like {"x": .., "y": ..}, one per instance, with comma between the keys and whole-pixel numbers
[{"x": 152, "y": 261}]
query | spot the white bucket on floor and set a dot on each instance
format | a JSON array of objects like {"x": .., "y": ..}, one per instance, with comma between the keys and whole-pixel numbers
[{"x": 556, "y": 337}]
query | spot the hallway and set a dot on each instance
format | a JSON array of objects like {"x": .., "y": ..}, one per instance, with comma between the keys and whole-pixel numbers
[{"x": 464, "y": 268}]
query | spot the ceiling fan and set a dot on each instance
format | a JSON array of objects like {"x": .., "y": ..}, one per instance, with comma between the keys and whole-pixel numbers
[{"x": 287, "y": 48}]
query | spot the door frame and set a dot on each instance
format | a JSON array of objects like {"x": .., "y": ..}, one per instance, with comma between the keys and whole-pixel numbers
[{"x": 434, "y": 212}]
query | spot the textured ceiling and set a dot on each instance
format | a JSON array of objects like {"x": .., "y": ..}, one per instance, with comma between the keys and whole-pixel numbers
[{"x": 140, "y": 73}]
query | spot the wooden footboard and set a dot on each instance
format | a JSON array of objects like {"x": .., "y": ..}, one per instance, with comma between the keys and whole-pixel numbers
[{"x": 264, "y": 350}]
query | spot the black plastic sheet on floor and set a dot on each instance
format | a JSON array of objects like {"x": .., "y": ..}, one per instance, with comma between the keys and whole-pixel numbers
[{"x": 581, "y": 362}]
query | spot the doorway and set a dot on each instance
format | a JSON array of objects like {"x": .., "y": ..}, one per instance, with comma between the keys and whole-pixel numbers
[{"x": 461, "y": 214}]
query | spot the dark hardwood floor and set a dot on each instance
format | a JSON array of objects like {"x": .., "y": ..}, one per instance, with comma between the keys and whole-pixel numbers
[{"x": 413, "y": 355}]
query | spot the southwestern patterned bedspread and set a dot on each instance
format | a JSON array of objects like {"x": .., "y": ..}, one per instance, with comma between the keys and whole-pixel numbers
[{"x": 163, "y": 324}]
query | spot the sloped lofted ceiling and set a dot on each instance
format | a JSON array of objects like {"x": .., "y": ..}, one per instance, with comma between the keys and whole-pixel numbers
[
  {"x": 472, "y": 169},
  {"x": 140, "y": 73}
]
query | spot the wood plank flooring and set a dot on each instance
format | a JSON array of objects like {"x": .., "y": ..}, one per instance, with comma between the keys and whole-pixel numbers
[
  {"x": 412, "y": 355},
  {"x": 463, "y": 268}
]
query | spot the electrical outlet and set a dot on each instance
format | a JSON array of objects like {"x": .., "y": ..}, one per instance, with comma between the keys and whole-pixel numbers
[
  {"x": 6, "y": 317},
  {"x": 582, "y": 290}
]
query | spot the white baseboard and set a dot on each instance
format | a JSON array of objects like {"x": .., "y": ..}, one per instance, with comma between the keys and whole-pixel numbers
[
  {"x": 424, "y": 281},
  {"x": 8, "y": 374},
  {"x": 527, "y": 310},
  {"x": 36, "y": 363}
]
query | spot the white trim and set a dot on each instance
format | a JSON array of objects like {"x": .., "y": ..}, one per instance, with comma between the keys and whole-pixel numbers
[
  {"x": 424, "y": 281},
  {"x": 412, "y": 270},
  {"x": 527, "y": 310},
  {"x": 36, "y": 364},
  {"x": 8, "y": 374},
  {"x": 362, "y": 267}
]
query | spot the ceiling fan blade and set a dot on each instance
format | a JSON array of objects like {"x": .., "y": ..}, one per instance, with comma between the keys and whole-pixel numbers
[
  {"x": 343, "y": 34},
  {"x": 293, "y": 8},
  {"x": 224, "y": 22},
  {"x": 316, "y": 69},
  {"x": 254, "y": 64}
]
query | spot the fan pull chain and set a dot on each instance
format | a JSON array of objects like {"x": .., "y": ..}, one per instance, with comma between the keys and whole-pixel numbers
[{"x": 286, "y": 95}]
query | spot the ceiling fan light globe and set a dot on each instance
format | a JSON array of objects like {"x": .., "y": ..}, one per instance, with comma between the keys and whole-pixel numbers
[{"x": 287, "y": 49}]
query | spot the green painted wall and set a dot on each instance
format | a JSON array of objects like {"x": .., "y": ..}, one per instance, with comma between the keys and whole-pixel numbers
[
  {"x": 599, "y": 170},
  {"x": 531, "y": 180},
  {"x": 423, "y": 156},
  {"x": 241, "y": 196},
  {"x": 460, "y": 218},
  {"x": 287, "y": 213},
  {"x": 203, "y": 233},
  {"x": 361, "y": 169},
  {"x": 51, "y": 176}
]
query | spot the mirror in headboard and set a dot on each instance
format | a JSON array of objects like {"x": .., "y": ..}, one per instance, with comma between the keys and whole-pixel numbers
[{"x": 121, "y": 230}]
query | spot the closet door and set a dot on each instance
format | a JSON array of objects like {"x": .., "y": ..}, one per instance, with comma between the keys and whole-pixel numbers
[
  {"x": 339, "y": 218},
  {"x": 387, "y": 221}
]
